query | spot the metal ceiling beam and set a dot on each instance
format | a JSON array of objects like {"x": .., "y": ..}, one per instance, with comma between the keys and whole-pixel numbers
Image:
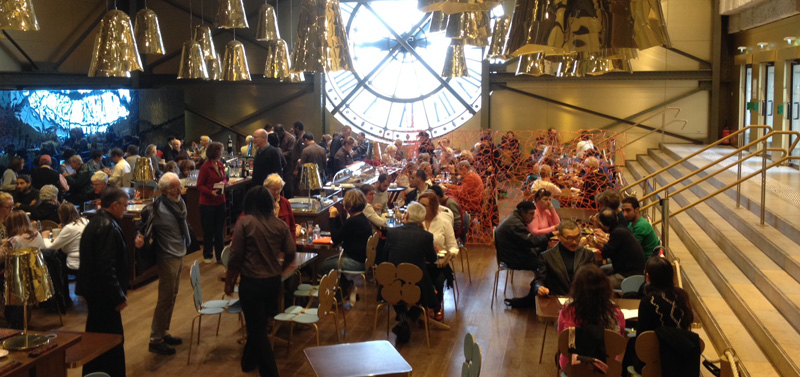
[
  {"x": 588, "y": 111},
  {"x": 704, "y": 75},
  {"x": 212, "y": 120},
  {"x": 662, "y": 104},
  {"x": 308, "y": 89},
  {"x": 704, "y": 63},
  {"x": 78, "y": 41},
  {"x": 21, "y": 51}
]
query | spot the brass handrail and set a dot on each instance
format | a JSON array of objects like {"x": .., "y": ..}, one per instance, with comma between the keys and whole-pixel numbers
[
  {"x": 684, "y": 121},
  {"x": 660, "y": 112},
  {"x": 786, "y": 157},
  {"x": 670, "y": 166}
]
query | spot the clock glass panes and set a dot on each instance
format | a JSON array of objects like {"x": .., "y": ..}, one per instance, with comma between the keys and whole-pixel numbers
[{"x": 397, "y": 89}]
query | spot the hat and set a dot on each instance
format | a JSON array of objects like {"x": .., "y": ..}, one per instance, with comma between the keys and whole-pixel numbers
[
  {"x": 45, "y": 159},
  {"x": 48, "y": 193}
]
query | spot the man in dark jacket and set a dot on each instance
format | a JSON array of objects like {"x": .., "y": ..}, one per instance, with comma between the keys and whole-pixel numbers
[
  {"x": 286, "y": 142},
  {"x": 80, "y": 184},
  {"x": 516, "y": 246},
  {"x": 557, "y": 266},
  {"x": 625, "y": 251},
  {"x": 336, "y": 143},
  {"x": 268, "y": 158},
  {"x": 26, "y": 196},
  {"x": 45, "y": 175},
  {"x": 103, "y": 278},
  {"x": 412, "y": 244}
]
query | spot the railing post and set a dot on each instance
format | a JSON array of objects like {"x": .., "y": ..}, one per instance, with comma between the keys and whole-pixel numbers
[
  {"x": 739, "y": 171},
  {"x": 665, "y": 220},
  {"x": 764, "y": 181},
  {"x": 663, "y": 121},
  {"x": 653, "y": 208}
]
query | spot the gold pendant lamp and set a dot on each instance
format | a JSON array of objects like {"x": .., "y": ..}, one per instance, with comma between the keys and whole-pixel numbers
[
  {"x": 230, "y": 15},
  {"x": 497, "y": 47},
  {"x": 267, "y": 27},
  {"x": 193, "y": 65},
  {"x": 115, "y": 53},
  {"x": 321, "y": 39},
  {"x": 18, "y": 15},
  {"x": 202, "y": 34},
  {"x": 438, "y": 22},
  {"x": 214, "y": 67},
  {"x": 148, "y": 33},
  {"x": 234, "y": 63},
  {"x": 455, "y": 62},
  {"x": 277, "y": 65}
]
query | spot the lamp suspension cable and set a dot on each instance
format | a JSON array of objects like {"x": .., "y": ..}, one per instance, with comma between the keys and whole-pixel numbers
[{"x": 190, "y": 19}]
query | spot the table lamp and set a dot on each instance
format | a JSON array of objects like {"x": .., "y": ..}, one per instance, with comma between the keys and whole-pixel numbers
[
  {"x": 310, "y": 179},
  {"x": 27, "y": 282}
]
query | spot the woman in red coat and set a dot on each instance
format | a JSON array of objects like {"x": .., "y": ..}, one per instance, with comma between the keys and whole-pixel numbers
[
  {"x": 212, "y": 202},
  {"x": 283, "y": 209}
]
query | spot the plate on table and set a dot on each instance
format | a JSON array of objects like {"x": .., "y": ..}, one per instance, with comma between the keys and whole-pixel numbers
[{"x": 347, "y": 185}]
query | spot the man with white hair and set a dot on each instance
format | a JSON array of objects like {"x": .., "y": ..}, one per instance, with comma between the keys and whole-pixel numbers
[
  {"x": 99, "y": 184},
  {"x": 410, "y": 243},
  {"x": 199, "y": 153},
  {"x": 267, "y": 160},
  {"x": 47, "y": 208},
  {"x": 80, "y": 183},
  {"x": 164, "y": 225}
]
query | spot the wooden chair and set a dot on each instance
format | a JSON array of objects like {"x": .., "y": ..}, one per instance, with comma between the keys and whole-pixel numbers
[
  {"x": 310, "y": 316},
  {"x": 462, "y": 244},
  {"x": 472, "y": 356},
  {"x": 49, "y": 225},
  {"x": 399, "y": 283},
  {"x": 649, "y": 351},
  {"x": 372, "y": 250},
  {"x": 615, "y": 349}
]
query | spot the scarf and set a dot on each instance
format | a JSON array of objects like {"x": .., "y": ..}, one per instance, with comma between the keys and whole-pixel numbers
[{"x": 178, "y": 209}]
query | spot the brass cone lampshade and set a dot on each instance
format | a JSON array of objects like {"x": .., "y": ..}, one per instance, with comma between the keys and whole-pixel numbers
[
  {"x": 456, "y": 6},
  {"x": 438, "y": 22},
  {"x": 193, "y": 65},
  {"x": 148, "y": 33},
  {"x": 497, "y": 47},
  {"x": 277, "y": 66},
  {"x": 295, "y": 77},
  {"x": 532, "y": 65},
  {"x": 202, "y": 34},
  {"x": 650, "y": 30},
  {"x": 115, "y": 53},
  {"x": 472, "y": 27},
  {"x": 321, "y": 39},
  {"x": 538, "y": 26},
  {"x": 267, "y": 27},
  {"x": 27, "y": 283},
  {"x": 563, "y": 65},
  {"x": 214, "y": 68},
  {"x": 18, "y": 15},
  {"x": 455, "y": 62},
  {"x": 620, "y": 26},
  {"x": 234, "y": 63},
  {"x": 230, "y": 15},
  {"x": 586, "y": 30}
]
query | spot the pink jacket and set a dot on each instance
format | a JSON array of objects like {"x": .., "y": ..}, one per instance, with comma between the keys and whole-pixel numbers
[{"x": 544, "y": 221}]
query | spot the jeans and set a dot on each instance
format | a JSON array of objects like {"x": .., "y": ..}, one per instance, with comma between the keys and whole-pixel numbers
[
  {"x": 169, "y": 277},
  {"x": 348, "y": 264},
  {"x": 103, "y": 318},
  {"x": 259, "y": 298},
  {"x": 213, "y": 220}
]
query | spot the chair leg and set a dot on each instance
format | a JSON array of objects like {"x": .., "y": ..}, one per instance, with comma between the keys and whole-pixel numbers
[
  {"x": 60, "y": 318},
  {"x": 427, "y": 329},
  {"x": 469, "y": 272},
  {"x": 219, "y": 319},
  {"x": 375, "y": 324},
  {"x": 505, "y": 285},
  {"x": 494, "y": 290},
  {"x": 456, "y": 292},
  {"x": 316, "y": 328},
  {"x": 544, "y": 336},
  {"x": 275, "y": 328},
  {"x": 191, "y": 340},
  {"x": 364, "y": 276},
  {"x": 199, "y": 325},
  {"x": 336, "y": 326},
  {"x": 291, "y": 334}
]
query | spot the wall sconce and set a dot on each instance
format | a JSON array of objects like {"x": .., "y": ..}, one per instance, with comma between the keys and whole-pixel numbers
[
  {"x": 763, "y": 45},
  {"x": 790, "y": 40},
  {"x": 742, "y": 49}
]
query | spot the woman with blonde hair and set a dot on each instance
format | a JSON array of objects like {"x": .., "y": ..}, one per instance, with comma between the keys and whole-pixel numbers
[
  {"x": 282, "y": 208},
  {"x": 6, "y": 206},
  {"x": 440, "y": 224}
]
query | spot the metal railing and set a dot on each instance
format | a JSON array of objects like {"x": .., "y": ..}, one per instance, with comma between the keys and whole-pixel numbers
[
  {"x": 663, "y": 112},
  {"x": 762, "y": 152}
]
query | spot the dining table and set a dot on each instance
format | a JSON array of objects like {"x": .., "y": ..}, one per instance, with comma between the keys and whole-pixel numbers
[{"x": 375, "y": 358}]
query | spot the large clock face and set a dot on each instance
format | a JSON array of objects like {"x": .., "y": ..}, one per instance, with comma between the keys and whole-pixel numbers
[{"x": 397, "y": 89}]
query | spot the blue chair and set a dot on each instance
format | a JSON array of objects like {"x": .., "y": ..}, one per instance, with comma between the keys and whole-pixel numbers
[
  {"x": 632, "y": 283},
  {"x": 213, "y": 307}
]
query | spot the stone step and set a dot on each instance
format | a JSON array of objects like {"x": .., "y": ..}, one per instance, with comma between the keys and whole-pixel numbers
[
  {"x": 723, "y": 326},
  {"x": 756, "y": 299}
]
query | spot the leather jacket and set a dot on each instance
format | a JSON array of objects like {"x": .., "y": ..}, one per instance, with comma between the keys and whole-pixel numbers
[{"x": 103, "y": 272}]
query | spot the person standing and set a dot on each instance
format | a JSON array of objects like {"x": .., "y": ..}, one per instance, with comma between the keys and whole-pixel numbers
[
  {"x": 131, "y": 156},
  {"x": 286, "y": 141},
  {"x": 164, "y": 220},
  {"x": 336, "y": 143},
  {"x": 267, "y": 160},
  {"x": 313, "y": 153},
  {"x": 258, "y": 240},
  {"x": 11, "y": 174},
  {"x": 103, "y": 278},
  {"x": 212, "y": 202}
]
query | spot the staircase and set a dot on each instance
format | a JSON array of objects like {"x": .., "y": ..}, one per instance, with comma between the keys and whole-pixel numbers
[{"x": 743, "y": 278}]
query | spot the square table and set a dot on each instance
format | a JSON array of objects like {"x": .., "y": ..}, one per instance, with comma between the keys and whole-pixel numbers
[
  {"x": 374, "y": 358},
  {"x": 547, "y": 309}
]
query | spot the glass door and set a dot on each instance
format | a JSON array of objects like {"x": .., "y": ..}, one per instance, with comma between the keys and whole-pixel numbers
[
  {"x": 748, "y": 96},
  {"x": 769, "y": 99},
  {"x": 793, "y": 106}
]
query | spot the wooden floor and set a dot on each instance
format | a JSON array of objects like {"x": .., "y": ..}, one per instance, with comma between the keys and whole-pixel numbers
[{"x": 510, "y": 339}]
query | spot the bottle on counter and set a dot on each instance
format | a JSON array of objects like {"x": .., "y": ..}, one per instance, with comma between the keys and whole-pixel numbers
[
  {"x": 317, "y": 231},
  {"x": 230, "y": 145}
]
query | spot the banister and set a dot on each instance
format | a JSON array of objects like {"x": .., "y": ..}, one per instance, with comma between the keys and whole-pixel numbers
[
  {"x": 670, "y": 166},
  {"x": 660, "y": 112},
  {"x": 663, "y": 126}
]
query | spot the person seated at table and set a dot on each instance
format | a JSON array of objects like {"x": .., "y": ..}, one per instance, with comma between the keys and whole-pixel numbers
[
  {"x": 80, "y": 183},
  {"x": 452, "y": 205},
  {"x": 404, "y": 178},
  {"x": 26, "y": 196},
  {"x": 590, "y": 307},
  {"x": 621, "y": 246},
  {"x": 68, "y": 242},
  {"x": 469, "y": 194},
  {"x": 440, "y": 224},
  {"x": 96, "y": 163},
  {"x": 556, "y": 267},
  {"x": 419, "y": 184},
  {"x": 283, "y": 209},
  {"x": 387, "y": 158},
  {"x": 377, "y": 221},
  {"x": 516, "y": 247},
  {"x": 594, "y": 181},
  {"x": 609, "y": 199},
  {"x": 428, "y": 169},
  {"x": 20, "y": 235},
  {"x": 663, "y": 306},
  {"x": 381, "y": 193},
  {"x": 99, "y": 185},
  {"x": 447, "y": 155},
  {"x": 185, "y": 167},
  {"x": 122, "y": 173},
  {"x": 640, "y": 227},
  {"x": 410, "y": 243},
  {"x": 545, "y": 181},
  {"x": 546, "y": 218},
  {"x": 172, "y": 167},
  {"x": 47, "y": 208},
  {"x": 352, "y": 235}
]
